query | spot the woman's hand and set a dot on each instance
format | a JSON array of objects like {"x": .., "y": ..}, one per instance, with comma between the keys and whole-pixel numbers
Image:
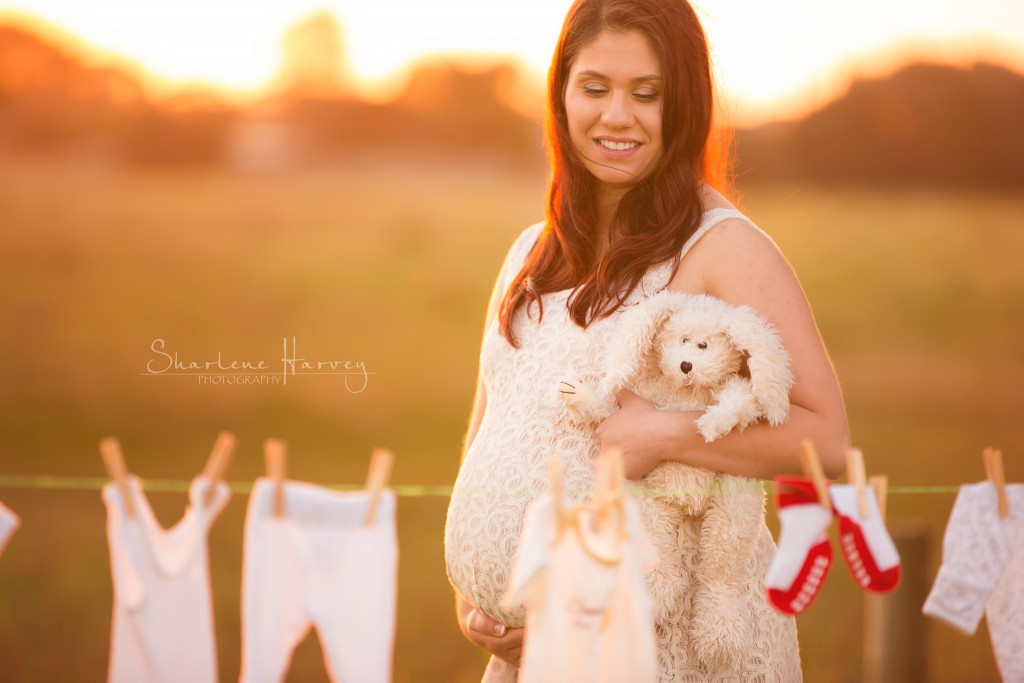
[
  {"x": 493, "y": 636},
  {"x": 644, "y": 434}
]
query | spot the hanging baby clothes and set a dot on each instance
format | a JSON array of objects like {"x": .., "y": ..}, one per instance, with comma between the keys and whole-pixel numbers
[
  {"x": 589, "y": 618},
  {"x": 163, "y": 619},
  {"x": 9, "y": 523},
  {"x": 319, "y": 564},
  {"x": 983, "y": 571}
]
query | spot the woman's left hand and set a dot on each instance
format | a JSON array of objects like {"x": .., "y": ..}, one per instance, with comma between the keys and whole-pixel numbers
[{"x": 644, "y": 434}]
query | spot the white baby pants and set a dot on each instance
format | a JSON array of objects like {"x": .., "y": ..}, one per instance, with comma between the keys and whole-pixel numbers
[
  {"x": 163, "y": 620},
  {"x": 9, "y": 523},
  {"x": 319, "y": 564}
]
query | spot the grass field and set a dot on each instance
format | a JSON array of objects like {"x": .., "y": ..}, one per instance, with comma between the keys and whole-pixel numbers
[{"x": 919, "y": 296}]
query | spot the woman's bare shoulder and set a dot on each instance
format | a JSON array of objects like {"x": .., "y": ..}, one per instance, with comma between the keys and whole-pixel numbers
[{"x": 733, "y": 248}]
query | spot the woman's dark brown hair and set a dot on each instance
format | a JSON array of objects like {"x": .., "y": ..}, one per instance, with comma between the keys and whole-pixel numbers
[{"x": 660, "y": 212}]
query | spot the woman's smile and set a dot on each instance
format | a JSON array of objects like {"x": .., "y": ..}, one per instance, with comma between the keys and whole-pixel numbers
[{"x": 617, "y": 149}]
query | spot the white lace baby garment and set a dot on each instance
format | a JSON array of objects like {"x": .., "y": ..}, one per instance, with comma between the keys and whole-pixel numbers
[
  {"x": 589, "y": 618},
  {"x": 983, "y": 571}
]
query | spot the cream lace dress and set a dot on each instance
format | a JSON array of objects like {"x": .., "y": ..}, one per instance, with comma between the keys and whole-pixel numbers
[{"x": 505, "y": 468}]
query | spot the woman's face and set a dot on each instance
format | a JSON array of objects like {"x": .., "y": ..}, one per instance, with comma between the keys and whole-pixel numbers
[{"x": 613, "y": 101}]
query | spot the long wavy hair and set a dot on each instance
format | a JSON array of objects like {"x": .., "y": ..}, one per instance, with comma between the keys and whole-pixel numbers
[{"x": 657, "y": 215}]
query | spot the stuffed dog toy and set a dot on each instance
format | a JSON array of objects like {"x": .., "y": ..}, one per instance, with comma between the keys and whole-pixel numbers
[{"x": 694, "y": 352}]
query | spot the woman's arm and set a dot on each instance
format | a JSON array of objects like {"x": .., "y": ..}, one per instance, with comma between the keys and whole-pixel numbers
[{"x": 739, "y": 264}]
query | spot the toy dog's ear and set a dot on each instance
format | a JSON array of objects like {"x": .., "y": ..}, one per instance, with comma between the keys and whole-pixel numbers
[
  {"x": 767, "y": 361},
  {"x": 635, "y": 334}
]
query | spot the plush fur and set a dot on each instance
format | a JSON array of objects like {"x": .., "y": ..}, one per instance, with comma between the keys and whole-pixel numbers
[{"x": 690, "y": 352}]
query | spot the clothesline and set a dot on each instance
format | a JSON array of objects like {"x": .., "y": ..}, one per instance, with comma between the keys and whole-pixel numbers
[
  {"x": 865, "y": 542},
  {"x": 49, "y": 482},
  {"x": 182, "y": 485}
]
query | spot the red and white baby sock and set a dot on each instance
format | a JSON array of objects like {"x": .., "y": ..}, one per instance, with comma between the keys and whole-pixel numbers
[
  {"x": 804, "y": 554},
  {"x": 867, "y": 546}
]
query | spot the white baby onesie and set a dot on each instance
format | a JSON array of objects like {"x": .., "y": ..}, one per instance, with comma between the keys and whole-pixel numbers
[
  {"x": 9, "y": 523},
  {"x": 319, "y": 564},
  {"x": 983, "y": 570},
  {"x": 588, "y": 619},
  {"x": 163, "y": 619}
]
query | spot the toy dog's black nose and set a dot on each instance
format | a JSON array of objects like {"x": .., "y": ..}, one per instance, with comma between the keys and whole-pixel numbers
[{"x": 686, "y": 366}]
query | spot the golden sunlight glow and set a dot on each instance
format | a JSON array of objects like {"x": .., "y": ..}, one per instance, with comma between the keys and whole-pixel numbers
[{"x": 773, "y": 58}]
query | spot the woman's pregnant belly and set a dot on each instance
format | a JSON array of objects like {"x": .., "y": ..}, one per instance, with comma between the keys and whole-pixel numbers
[
  {"x": 504, "y": 470},
  {"x": 484, "y": 523}
]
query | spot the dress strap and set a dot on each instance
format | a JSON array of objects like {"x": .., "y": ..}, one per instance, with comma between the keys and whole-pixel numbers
[{"x": 712, "y": 217}]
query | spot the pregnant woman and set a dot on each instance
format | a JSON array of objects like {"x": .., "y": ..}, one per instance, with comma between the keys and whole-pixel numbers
[{"x": 632, "y": 210}]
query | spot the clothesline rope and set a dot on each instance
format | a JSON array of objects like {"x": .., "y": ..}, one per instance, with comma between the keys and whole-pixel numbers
[
  {"x": 47, "y": 482},
  {"x": 56, "y": 483}
]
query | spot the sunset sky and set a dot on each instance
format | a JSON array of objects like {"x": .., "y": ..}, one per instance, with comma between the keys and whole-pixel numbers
[{"x": 774, "y": 59}]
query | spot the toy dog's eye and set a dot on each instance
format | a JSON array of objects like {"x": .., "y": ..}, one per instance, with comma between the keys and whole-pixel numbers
[
  {"x": 686, "y": 340},
  {"x": 702, "y": 345}
]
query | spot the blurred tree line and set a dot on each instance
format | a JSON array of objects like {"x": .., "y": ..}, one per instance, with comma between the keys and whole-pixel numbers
[
  {"x": 925, "y": 124},
  {"x": 55, "y": 103}
]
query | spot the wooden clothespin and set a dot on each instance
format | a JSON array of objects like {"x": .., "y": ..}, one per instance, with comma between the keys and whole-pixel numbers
[
  {"x": 555, "y": 484},
  {"x": 996, "y": 475},
  {"x": 603, "y": 540},
  {"x": 614, "y": 475},
  {"x": 275, "y": 454},
  {"x": 812, "y": 470},
  {"x": 610, "y": 478},
  {"x": 880, "y": 483},
  {"x": 113, "y": 460},
  {"x": 617, "y": 486},
  {"x": 377, "y": 479},
  {"x": 603, "y": 485},
  {"x": 856, "y": 476},
  {"x": 217, "y": 463}
]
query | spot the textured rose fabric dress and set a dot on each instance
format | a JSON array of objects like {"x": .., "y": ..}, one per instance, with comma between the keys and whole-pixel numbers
[{"x": 506, "y": 468}]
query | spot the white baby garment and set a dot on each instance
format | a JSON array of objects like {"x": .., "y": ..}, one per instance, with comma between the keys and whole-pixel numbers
[
  {"x": 319, "y": 564},
  {"x": 9, "y": 523},
  {"x": 983, "y": 570},
  {"x": 588, "y": 619},
  {"x": 163, "y": 619}
]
